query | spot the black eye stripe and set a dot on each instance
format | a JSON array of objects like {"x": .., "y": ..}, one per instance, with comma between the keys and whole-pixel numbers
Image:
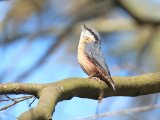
[
  {"x": 90, "y": 30},
  {"x": 95, "y": 36}
]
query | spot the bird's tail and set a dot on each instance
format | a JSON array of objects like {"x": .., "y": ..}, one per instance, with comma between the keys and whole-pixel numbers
[{"x": 111, "y": 82}]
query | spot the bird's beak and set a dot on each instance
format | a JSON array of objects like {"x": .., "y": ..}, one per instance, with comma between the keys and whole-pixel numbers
[{"x": 83, "y": 26}]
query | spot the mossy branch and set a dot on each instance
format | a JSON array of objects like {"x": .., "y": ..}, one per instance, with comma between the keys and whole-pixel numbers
[{"x": 50, "y": 94}]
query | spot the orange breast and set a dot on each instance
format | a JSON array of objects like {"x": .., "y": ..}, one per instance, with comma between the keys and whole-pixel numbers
[{"x": 89, "y": 67}]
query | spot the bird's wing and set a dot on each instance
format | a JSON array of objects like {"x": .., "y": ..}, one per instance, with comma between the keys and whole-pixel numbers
[{"x": 93, "y": 52}]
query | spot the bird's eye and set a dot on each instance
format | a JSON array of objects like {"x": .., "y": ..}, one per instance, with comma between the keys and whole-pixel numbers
[{"x": 95, "y": 36}]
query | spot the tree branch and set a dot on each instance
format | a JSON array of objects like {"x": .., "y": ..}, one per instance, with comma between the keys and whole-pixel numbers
[
  {"x": 20, "y": 88},
  {"x": 50, "y": 94}
]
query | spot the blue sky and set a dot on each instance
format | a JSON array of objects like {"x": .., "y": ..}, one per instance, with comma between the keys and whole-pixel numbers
[{"x": 54, "y": 70}]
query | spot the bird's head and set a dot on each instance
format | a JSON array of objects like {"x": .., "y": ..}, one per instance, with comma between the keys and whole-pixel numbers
[{"x": 89, "y": 35}]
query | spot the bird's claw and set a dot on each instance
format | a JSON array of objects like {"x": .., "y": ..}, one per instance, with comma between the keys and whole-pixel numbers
[{"x": 95, "y": 78}]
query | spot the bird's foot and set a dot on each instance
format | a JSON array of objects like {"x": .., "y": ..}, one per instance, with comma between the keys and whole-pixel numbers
[
  {"x": 100, "y": 99},
  {"x": 95, "y": 78},
  {"x": 101, "y": 96}
]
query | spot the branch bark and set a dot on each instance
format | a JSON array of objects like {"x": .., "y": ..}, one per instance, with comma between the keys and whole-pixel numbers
[{"x": 50, "y": 94}]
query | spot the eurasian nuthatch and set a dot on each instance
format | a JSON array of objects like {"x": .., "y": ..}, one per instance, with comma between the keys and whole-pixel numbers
[{"x": 90, "y": 56}]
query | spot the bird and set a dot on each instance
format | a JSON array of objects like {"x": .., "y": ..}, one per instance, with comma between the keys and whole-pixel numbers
[{"x": 90, "y": 56}]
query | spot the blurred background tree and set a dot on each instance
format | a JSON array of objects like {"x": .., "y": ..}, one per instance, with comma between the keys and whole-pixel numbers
[{"x": 39, "y": 39}]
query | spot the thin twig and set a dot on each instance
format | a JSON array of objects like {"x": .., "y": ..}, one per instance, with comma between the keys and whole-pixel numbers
[
  {"x": 15, "y": 101},
  {"x": 23, "y": 97},
  {"x": 130, "y": 116},
  {"x": 126, "y": 111},
  {"x": 3, "y": 100},
  {"x": 9, "y": 98},
  {"x": 32, "y": 102}
]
